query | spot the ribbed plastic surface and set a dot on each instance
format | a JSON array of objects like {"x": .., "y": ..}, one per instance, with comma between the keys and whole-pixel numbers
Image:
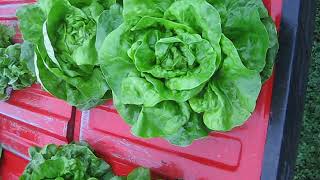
[
  {"x": 11, "y": 166},
  {"x": 33, "y": 117}
]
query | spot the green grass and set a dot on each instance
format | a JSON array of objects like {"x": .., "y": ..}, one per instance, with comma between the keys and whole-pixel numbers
[{"x": 308, "y": 160}]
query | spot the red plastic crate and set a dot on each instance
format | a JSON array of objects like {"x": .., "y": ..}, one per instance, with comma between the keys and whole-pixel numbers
[
  {"x": 227, "y": 156},
  {"x": 33, "y": 117},
  {"x": 224, "y": 156},
  {"x": 12, "y": 166}
]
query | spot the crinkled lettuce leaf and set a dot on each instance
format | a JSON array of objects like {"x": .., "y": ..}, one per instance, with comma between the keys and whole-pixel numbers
[
  {"x": 67, "y": 34},
  {"x": 242, "y": 16},
  {"x": 75, "y": 161},
  {"x": 179, "y": 69},
  {"x": 273, "y": 48},
  {"x": 6, "y": 35},
  {"x": 16, "y": 68},
  {"x": 230, "y": 97}
]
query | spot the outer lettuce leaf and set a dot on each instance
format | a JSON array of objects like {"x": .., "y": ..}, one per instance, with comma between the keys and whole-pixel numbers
[
  {"x": 231, "y": 96},
  {"x": 243, "y": 26},
  {"x": 273, "y": 48},
  {"x": 67, "y": 60},
  {"x": 0, "y": 151},
  {"x": 108, "y": 21},
  {"x": 139, "y": 174},
  {"x": 241, "y": 16},
  {"x": 74, "y": 161}
]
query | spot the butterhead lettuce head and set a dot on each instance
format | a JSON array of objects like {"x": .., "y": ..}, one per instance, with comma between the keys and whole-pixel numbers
[
  {"x": 181, "y": 68},
  {"x": 66, "y": 34}
]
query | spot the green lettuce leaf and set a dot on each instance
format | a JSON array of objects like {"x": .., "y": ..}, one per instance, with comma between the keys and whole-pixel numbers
[
  {"x": 257, "y": 49},
  {"x": 273, "y": 48},
  {"x": 0, "y": 151},
  {"x": 6, "y": 36},
  {"x": 67, "y": 34},
  {"x": 139, "y": 174},
  {"x": 75, "y": 161},
  {"x": 230, "y": 97},
  {"x": 72, "y": 161},
  {"x": 16, "y": 68}
]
